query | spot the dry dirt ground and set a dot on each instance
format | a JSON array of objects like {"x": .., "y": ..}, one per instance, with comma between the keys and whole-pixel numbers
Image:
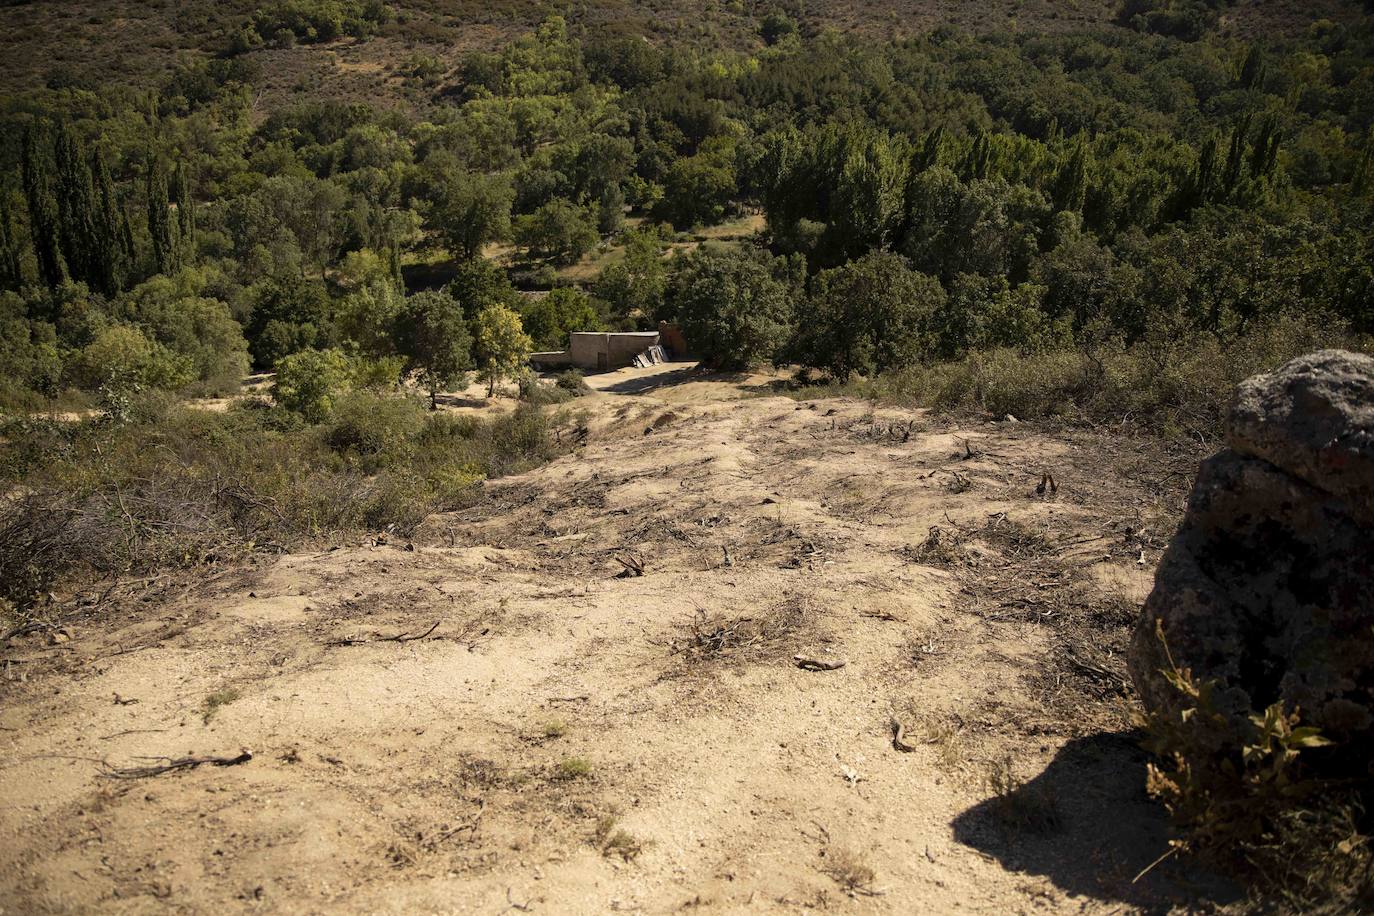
[{"x": 545, "y": 732}]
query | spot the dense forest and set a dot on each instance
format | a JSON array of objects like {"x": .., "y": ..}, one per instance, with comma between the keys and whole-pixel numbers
[{"x": 926, "y": 201}]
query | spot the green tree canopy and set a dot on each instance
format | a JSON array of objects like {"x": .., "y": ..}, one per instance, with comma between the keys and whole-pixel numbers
[
  {"x": 870, "y": 315},
  {"x": 503, "y": 347},
  {"x": 734, "y": 308},
  {"x": 433, "y": 335}
]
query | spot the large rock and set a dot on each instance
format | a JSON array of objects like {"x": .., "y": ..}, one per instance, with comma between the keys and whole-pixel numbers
[
  {"x": 1314, "y": 418},
  {"x": 1267, "y": 590}
]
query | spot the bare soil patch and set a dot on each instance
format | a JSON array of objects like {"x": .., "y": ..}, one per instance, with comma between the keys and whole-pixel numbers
[{"x": 495, "y": 714}]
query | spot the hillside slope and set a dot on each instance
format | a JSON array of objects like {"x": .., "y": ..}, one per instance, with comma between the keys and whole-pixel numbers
[
  {"x": 137, "y": 44},
  {"x": 560, "y": 739}
]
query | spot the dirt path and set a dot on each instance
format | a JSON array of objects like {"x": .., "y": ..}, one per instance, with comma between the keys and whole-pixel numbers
[{"x": 568, "y": 741}]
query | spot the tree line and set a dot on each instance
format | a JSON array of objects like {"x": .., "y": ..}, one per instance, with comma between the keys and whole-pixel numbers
[{"x": 923, "y": 199}]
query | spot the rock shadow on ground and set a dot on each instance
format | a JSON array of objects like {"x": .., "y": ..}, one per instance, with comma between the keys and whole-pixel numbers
[{"x": 1087, "y": 825}]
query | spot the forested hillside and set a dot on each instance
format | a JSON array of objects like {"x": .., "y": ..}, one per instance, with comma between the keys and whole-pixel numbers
[{"x": 1114, "y": 191}]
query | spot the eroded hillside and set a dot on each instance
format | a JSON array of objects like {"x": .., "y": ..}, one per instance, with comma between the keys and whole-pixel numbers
[{"x": 501, "y": 713}]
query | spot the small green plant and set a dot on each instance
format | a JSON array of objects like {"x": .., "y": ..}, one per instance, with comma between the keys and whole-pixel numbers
[
  {"x": 214, "y": 701},
  {"x": 614, "y": 841},
  {"x": 554, "y": 728},
  {"x": 1253, "y": 805},
  {"x": 574, "y": 768}
]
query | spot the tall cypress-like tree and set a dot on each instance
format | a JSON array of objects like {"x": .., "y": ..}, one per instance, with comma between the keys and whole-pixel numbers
[
  {"x": 978, "y": 163},
  {"x": 161, "y": 227},
  {"x": 1204, "y": 179},
  {"x": 1264, "y": 157},
  {"x": 126, "y": 241},
  {"x": 1071, "y": 184},
  {"x": 186, "y": 214},
  {"x": 109, "y": 255},
  {"x": 43, "y": 214},
  {"x": 76, "y": 206},
  {"x": 1253, "y": 71},
  {"x": 929, "y": 157},
  {"x": 10, "y": 276},
  {"x": 1235, "y": 158},
  {"x": 1361, "y": 179}
]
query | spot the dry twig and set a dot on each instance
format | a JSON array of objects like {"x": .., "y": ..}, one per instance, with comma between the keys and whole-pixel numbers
[{"x": 399, "y": 637}]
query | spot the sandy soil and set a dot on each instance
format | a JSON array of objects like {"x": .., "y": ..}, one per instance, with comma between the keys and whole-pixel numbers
[{"x": 571, "y": 738}]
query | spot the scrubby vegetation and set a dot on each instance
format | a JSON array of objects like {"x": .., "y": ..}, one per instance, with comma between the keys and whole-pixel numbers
[
  {"x": 168, "y": 486},
  {"x": 1294, "y": 830},
  {"x": 1113, "y": 225}
]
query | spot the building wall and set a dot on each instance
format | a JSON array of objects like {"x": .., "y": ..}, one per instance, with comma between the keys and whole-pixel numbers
[
  {"x": 551, "y": 359},
  {"x": 595, "y": 350}
]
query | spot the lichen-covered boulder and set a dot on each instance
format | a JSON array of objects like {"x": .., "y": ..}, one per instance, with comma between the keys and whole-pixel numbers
[{"x": 1267, "y": 590}]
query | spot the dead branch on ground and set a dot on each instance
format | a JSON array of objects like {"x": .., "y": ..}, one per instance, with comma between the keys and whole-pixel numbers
[
  {"x": 179, "y": 763},
  {"x": 399, "y": 637}
]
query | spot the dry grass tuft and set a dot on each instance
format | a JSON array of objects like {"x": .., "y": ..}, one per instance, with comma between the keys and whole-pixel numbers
[
  {"x": 573, "y": 768},
  {"x": 848, "y": 869},
  {"x": 211, "y": 704},
  {"x": 615, "y": 841}
]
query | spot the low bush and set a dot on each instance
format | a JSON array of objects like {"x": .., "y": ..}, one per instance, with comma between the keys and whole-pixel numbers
[
  {"x": 535, "y": 392},
  {"x": 177, "y": 487},
  {"x": 1269, "y": 810},
  {"x": 1174, "y": 387}
]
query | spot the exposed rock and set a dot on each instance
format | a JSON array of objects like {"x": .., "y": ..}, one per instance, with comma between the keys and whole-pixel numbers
[
  {"x": 1314, "y": 418},
  {"x": 1268, "y": 588}
]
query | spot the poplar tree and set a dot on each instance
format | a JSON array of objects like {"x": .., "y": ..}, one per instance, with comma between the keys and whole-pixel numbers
[
  {"x": 10, "y": 277},
  {"x": 186, "y": 214},
  {"x": 111, "y": 254},
  {"x": 1071, "y": 184},
  {"x": 1204, "y": 179},
  {"x": 929, "y": 157},
  {"x": 1235, "y": 158},
  {"x": 1364, "y": 169},
  {"x": 978, "y": 162},
  {"x": 1264, "y": 157}
]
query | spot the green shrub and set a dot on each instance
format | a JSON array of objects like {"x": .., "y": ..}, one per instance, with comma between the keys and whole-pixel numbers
[
  {"x": 375, "y": 428},
  {"x": 733, "y": 307},
  {"x": 123, "y": 357},
  {"x": 1178, "y": 387},
  {"x": 310, "y": 381},
  {"x": 535, "y": 392},
  {"x": 1259, "y": 809},
  {"x": 572, "y": 380},
  {"x": 177, "y": 487}
]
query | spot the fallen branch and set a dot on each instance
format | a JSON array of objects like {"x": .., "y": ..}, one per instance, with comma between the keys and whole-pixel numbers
[
  {"x": 469, "y": 825},
  {"x": 180, "y": 763},
  {"x": 633, "y": 567},
  {"x": 26, "y": 629},
  {"x": 1097, "y": 672},
  {"x": 811, "y": 663},
  {"x": 399, "y": 637}
]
